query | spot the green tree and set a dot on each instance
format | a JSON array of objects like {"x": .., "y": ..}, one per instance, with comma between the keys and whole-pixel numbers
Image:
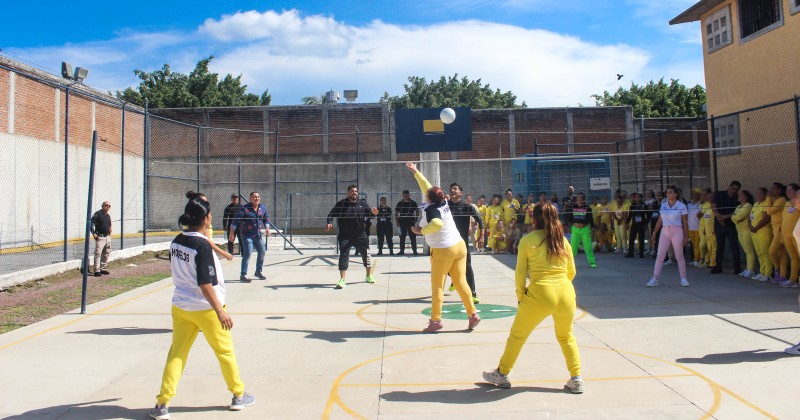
[
  {"x": 451, "y": 92},
  {"x": 165, "y": 88},
  {"x": 315, "y": 99},
  {"x": 658, "y": 99}
]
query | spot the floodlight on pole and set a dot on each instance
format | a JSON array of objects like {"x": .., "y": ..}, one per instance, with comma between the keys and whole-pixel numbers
[{"x": 78, "y": 75}]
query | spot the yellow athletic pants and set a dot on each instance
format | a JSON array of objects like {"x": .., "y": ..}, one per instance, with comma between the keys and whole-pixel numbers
[
  {"x": 777, "y": 254},
  {"x": 621, "y": 232},
  {"x": 746, "y": 240},
  {"x": 451, "y": 260},
  {"x": 541, "y": 301},
  {"x": 761, "y": 242},
  {"x": 490, "y": 242},
  {"x": 694, "y": 237},
  {"x": 794, "y": 253},
  {"x": 185, "y": 326},
  {"x": 711, "y": 250},
  {"x": 703, "y": 249}
]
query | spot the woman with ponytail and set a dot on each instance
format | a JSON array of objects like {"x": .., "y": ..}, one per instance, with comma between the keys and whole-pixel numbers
[
  {"x": 209, "y": 232},
  {"x": 448, "y": 252},
  {"x": 198, "y": 304},
  {"x": 545, "y": 257}
]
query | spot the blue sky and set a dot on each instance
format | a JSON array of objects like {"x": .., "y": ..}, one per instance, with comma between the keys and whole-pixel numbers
[{"x": 549, "y": 52}]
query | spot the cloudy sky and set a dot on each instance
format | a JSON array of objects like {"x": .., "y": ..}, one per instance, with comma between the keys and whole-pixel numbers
[{"x": 548, "y": 52}]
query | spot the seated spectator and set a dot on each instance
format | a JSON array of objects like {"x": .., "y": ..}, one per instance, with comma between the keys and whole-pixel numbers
[
  {"x": 603, "y": 240},
  {"x": 500, "y": 238},
  {"x": 513, "y": 234}
]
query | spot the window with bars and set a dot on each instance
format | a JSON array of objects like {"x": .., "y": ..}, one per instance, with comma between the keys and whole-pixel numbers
[
  {"x": 794, "y": 6},
  {"x": 726, "y": 136},
  {"x": 718, "y": 29},
  {"x": 758, "y": 16}
]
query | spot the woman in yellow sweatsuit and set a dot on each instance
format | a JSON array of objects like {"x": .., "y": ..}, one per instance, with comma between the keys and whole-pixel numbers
[
  {"x": 494, "y": 214},
  {"x": 619, "y": 209},
  {"x": 545, "y": 257},
  {"x": 448, "y": 252},
  {"x": 741, "y": 218},
  {"x": 790, "y": 217},
  {"x": 707, "y": 230},
  {"x": 761, "y": 231},
  {"x": 777, "y": 251}
]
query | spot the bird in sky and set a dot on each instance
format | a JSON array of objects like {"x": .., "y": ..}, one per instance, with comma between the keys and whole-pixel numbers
[{"x": 619, "y": 76}]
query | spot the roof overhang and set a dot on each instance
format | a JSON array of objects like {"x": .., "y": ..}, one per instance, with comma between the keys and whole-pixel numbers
[{"x": 695, "y": 12}]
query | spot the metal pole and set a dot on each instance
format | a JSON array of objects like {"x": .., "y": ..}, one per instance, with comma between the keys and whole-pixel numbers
[
  {"x": 239, "y": 177},
  {"x": 198, "y": 158},
  {"x": 500, "y": 156},
  {"x": 691, "y": 171},
  {"x": 714, "y": 154},
  {"x": 358, "y": 158},
  {"x": 661, "y": 161},
  {"x": 536, "y": 164},
  {"x": 146, "y": 169},
  {"x": 619, "y": 169},
  {"x": 66, "y": 171},
  {"x": 337, "y": 184},
  {"x": 275, "y": 171},
  {"x": 122, "y": 182},
  {"x": 88, "y": 224}
]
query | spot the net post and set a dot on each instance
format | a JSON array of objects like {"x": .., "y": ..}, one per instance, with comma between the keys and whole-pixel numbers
[
  {"x": 713, "y": 145},
  {"x": 122, "y": 182},
  {"x": 88, "y": 228},
  {"x": 66, "y": 171}
]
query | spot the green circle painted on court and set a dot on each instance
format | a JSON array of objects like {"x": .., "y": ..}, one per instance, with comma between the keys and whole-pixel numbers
[{"x": 486, "y": 311}]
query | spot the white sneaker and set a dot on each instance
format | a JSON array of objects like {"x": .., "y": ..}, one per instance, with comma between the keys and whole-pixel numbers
[
  {"x": 794, "y": 350},
  {"x": 758, "y": 277},
  {"x": 652, "y": 283},
  {"x": 694, "y": 263},
  {"x": 684, "y": 283},
  {"x": 575, "y": 386},
  {"x": 744, "y": 273},
  {"x": 764, "y": 279},
  {"x": 668, "y": 262},
  {"x": 496, "y": 378}
]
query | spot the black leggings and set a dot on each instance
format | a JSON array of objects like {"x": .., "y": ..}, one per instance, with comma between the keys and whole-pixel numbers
[
  {"x": 637, "y": 229},
  {"x": 385, "y": 234}
]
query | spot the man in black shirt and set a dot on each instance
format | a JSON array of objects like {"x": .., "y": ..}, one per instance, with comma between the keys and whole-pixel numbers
[
  {"x": 406, "y": 214},
  {"x": 227, "y": 219},
  {"x": 463, "y": 214},
  {"x": 101, "y": 231},
  {"x": 350, "y": 214},
  {"x": 724, "y": 204},
  {"x": 638, "y": 221},
  {"x": 384, "y": 227}
]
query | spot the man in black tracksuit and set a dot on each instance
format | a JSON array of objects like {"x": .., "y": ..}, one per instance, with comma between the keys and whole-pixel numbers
[
  {"x": 350, "y": 214},
  {"x": 463, "y": 214},
  {"x": 227, "y": 219},
  {"x": 384, "y": 227},
  {"x": 638, "y": 219},
  {"x": 406, "y": 214}
]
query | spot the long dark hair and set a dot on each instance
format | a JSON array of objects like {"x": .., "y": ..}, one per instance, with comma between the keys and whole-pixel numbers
[
  {"x": 195, "y": 211},
  {"x": 748, "y": 196},
  {"x": 545, "y": 216}
]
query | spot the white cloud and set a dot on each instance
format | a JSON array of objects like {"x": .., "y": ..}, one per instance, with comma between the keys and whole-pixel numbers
[
  {"x": 657, "y": 14},
  {"x": 543, "y": 68}
]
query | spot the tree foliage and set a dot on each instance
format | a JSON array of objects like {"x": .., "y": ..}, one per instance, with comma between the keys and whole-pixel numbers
[
  {"x": 451, "y": 92},
  {"x": 658, "y": 99},
  {"x": 165, "y": 88},
  {"x": 315, "y": 99}
]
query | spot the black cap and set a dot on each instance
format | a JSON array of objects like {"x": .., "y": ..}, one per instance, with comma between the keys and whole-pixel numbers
[{"x": 406, "y": 192}]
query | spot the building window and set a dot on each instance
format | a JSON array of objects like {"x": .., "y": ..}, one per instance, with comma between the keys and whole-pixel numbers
[
  {"x": 726, "y": 136},
  {"x": 794, "y": 6},
  {"x": 718, "y": 29},
  {"x": 759, "y": 16}
]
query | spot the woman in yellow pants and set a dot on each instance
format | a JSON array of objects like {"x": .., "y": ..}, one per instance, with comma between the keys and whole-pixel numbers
[
  {"x": 790, "y": 217},
  {"x": 545, "y": 257},
  {"x": 494, "y": 214},
  {"x": 620, "y": 210},
  {"x": 777, "y": 251},
  {"x": 694, "y": 208},
  {"x": 707, "y": 229},
  {"x": 198, "y": 304},
  {"x": 448, "y": 252},
  {"x": 741, "y": 218},
  {"x": 761, "y": 232}
]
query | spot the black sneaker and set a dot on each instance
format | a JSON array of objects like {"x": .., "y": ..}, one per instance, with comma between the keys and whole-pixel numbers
[
  {"x": 260, "y": 276},
  {"x": 105, "y": 272},
  {"x": 97, "y": 274},
  {"x": 244, "y": 279}
]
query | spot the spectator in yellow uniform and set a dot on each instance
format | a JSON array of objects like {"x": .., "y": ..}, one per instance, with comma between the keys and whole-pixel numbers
[
  {"x": 790, "y": 217},
  {"x": 777, "y": 251},
  {"x": 494, "y": 214},
  {"x": 707, "y": 228},
  {"x": 741, "y": 217},
  {"x": 704, "y": 259},
  {"x": 596, "y": 208},
  {"x": 500, "y": 237},
  {"x": 761, "y": 231},
  {"x": 603, "y": 240},
  {"x": 694, "y": 208},
  {"x": 480, "y": 235},
  {"x": 606, "y": 216},
  {"x": 510, "y": 207},
  {"x": 526, "y": 211},
  {"x": 619, "y": 211}
]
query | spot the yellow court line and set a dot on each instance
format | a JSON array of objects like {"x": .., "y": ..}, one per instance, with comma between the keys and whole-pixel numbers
[
  {"x": 439, "y": 384},
  {"x": 57, "y": 327}
]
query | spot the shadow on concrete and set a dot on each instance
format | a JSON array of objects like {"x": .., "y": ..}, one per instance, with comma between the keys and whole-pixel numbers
[
  {"x": 400, "y": 273},
  {"x": 307, "y": 286},
  {"x": 422, "y": 300},
  {"x": 748, "y": 356},
  {"x": 484, "y": 393},
  {"x": 124, "y": 331},
  {"x": 345, "y": 336},
  {"x": 95, "y": 410}
]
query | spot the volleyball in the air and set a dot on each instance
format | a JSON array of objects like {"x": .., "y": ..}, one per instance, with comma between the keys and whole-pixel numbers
[{"x": 447, "y": 115}]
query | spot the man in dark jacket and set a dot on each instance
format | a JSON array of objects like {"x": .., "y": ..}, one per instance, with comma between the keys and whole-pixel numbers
[
  {"x": 724, "y": 204},
  {"x": 351, "y": 214},
  {"x": 231, "y": 210},
  {"x": 463, "y": 214}
]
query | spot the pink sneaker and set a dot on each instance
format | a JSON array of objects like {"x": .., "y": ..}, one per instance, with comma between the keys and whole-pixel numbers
[
  {"x": 433, "y": 326},
  {"x": 474, "y": 320}
]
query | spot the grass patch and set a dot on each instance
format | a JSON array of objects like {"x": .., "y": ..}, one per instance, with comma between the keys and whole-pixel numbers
[{"x": 49, "y": 303}]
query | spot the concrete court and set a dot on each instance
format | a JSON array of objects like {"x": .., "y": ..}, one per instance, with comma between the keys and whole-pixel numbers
[{"x": 307, "y": 351}]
